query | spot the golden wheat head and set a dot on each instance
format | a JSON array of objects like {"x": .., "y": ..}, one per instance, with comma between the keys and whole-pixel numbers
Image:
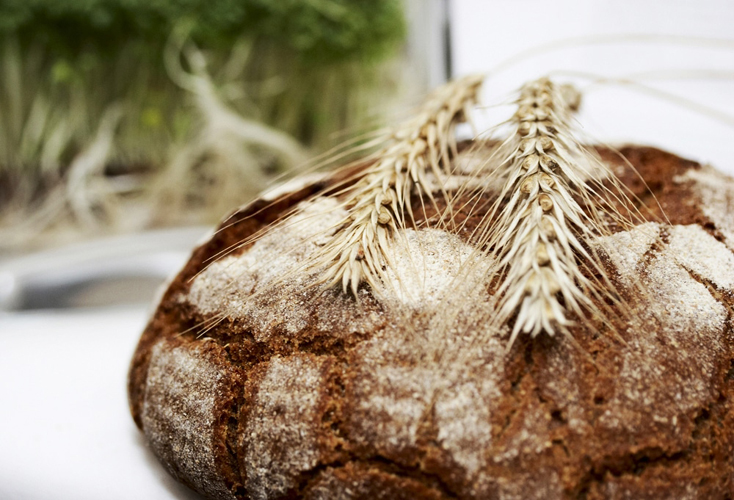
[
  {"x": 378, "y": 203},
  {"x": 549, "y": 215},
  {"x": 551, "y": 201}
]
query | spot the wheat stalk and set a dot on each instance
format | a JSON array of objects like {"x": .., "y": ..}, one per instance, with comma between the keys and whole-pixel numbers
[
  {"x": 377, "y": 204},
  {"x": 537, "y": 228}
]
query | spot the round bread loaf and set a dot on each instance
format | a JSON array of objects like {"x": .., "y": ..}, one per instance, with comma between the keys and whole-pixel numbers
[{"x": 303, "y": 391}]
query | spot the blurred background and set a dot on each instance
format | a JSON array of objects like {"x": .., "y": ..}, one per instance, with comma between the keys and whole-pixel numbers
[
  {"x": 119, "y": 115},
  {"x": 128, "y": 128}
]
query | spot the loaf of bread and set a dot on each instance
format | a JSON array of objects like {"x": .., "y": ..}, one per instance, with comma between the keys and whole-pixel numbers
[{"x": 257, "y": 379}]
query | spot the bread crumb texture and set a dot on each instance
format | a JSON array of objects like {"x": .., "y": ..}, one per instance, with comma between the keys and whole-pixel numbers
[{"x": 254, "y": 380}]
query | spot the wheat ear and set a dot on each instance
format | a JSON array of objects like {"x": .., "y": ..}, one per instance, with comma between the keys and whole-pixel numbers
[
  {"x": 537, "y": 238},
  {"x": 377, "y": 204}
]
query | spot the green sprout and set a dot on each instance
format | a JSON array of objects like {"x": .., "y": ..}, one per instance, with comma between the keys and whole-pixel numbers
[{"x": 84, "y": 89}]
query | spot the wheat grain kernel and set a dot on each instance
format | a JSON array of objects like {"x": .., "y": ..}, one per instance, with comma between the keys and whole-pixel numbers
[
  {"x": 545, "y": 202},
  {"x": 544, "y": 99},
  {"x": 530, "y": 162},
  {"x": 419, "y": 146},
  {"x": 542, "y": 114},
  {"x": 532, "y": 283},
  {"x": 548, "y": 162},
  {"x": 546, "y": 181},
  {"x": 546, "y": 143},
  {"x": 526, "y": 128},
  {"x": 548, "y": 127},
  {"x": 541, "y": 255},
  {"x": 387, "y": 198},
  {"x": 553, "y": 286},
  {"x": 384, "y": 216},
  {"x": 526, "y": 114},
  {"x": 528, "y": 145},
  {"x": 529, "y": 185},
  {"x": 547, "y": 227}
]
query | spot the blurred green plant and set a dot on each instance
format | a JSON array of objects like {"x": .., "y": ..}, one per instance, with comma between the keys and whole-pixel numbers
[
  {"x": 85, "y": 94},
  {"x": 316, "y": 30}
]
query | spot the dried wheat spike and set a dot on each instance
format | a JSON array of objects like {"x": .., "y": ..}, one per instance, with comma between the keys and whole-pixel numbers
[
  {"x": 536, "y": 238},
  {"x": 378, "y": 202}
]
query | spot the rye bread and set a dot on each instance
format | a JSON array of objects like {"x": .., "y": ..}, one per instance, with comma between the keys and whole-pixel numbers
[{"x": 307, "y": 395}]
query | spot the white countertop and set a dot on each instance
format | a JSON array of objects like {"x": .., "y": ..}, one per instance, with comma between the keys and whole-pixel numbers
[{"x": 65, "y": 427}]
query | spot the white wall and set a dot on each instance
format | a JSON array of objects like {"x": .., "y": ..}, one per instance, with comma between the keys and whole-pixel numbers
[
  {"x": 487, "y": 32},
  {"x": 426, "y": 45}
]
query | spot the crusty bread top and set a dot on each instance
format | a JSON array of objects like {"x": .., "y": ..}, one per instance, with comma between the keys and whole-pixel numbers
[{"x": 250, "y": 383}]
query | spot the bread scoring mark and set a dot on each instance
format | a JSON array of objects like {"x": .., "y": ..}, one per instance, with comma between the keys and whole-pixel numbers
[
  {"x": 696, "y": 250},
  {"x": 390, "y": 405},
  {"x": 280, "y": 435},
  {"x": 179, "y": 414},
  {"x": 463, "y": 421},
  {"x": 683, "y": 314},
  {"x": 627, "y": 249},
  {"x": 369, "y": 479},
  {"x": 714, "y": 191},
  {"x": 542, "y": 484},
  {"x": 626, "y": 486},
  {"x": 265, "y": 287},
  {"x": 403, "y": 396}
]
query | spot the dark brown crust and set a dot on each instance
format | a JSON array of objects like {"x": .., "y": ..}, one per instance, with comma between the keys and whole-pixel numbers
[
  {"x": 170, "y": 318},
  {"x": 650, "y": 461}
]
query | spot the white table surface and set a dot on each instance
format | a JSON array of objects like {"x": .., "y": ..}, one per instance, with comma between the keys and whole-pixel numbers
[{"x": 65, "y": 427}]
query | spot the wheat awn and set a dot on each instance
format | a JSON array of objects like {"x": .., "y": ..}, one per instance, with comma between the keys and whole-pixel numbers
[{"x": 378, "y": 203}]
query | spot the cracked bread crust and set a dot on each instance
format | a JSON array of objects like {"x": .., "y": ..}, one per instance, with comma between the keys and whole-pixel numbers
[{"x": 307, "y": 396}]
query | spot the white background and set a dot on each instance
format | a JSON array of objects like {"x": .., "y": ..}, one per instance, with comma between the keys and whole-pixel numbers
[{"x": 487, "y": 33}]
